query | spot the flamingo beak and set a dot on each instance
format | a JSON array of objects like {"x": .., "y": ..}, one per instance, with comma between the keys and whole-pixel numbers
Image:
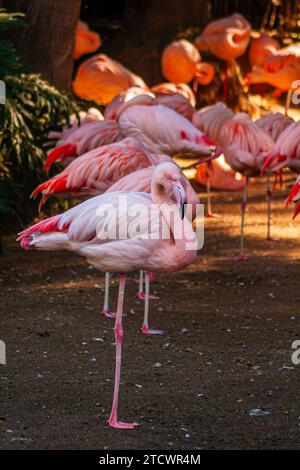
[{"x": 180, "y": 197}]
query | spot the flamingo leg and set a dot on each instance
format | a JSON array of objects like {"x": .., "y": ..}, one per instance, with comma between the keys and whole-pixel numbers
[
  {"x": 105, "y": 312},
  {"x": 113, "y": 419},
  {"x": 141, "y": 293},
  {"x": 241, "y": 256},
  {"x": 208, "y": 191},
  {"x": 269, "y": 200},
  {"x": 145, "y": 327},
  {"x": 288, "y": 101}
]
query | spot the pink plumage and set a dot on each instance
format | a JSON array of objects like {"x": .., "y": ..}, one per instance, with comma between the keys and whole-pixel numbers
[{"x": 94, "y": 172}]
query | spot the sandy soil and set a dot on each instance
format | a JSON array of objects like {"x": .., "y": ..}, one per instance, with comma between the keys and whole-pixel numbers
[{"x": 226, "y": 350}]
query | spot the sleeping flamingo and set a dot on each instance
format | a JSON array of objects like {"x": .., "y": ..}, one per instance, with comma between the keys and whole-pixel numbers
[
  {"x": 274, "y": 124},
  {"x": 226, "y": 38},
  {"x": 82, "y": 230},
  {"x": 101, "y": 78},
  {"x": 175, "y": 101},
  {"x": 83, "y": 139},
  {"x": 245, "y": 145},
  {"x": 85, "y": 117},
  {"x": 141, "y": 181},
  {"x": 181, "y": 62},
  {"x": 160, "y": 129},
  {"x": 286, "y": 151},
  {"x": 95, "y": 171},
  {"x": 218, "y": 174},
  {"x": 262, "y": 47},
  {"x": 279, "y": 69},
  {"x": 86, "y": 41},
  {"x": 169, "y": 88}
]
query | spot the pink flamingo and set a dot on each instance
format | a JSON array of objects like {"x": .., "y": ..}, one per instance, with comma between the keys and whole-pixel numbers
[
  {"x": 86, "y": 41},
  {"x": 175, "y": 101},
  {"x": 279, "y": 69},
  {"x": 295, "y": 197},
  {"x": 101, "y": 78},
  {"x": 82, "y": 230},
  {"x": 181, "y": 62},
  {"x": 274, "y": 124},
  {"x": 141, "y": 181},
  {"x": 83, "y": 139},
  {"x": 218, "y": 174},
  {"x": 286, "y": 151},
  {"x": 160, "y": 129},
  {"x": 95, "y": 171},
  {"x": 261, "y": 48},
  {"x": 169, "y": 88},
  {"x": 85, "y": 117},
  {"x": 123, "y": 97},
  {"x": 245, "y": 145},
  {"x": 226, "y": 38}
]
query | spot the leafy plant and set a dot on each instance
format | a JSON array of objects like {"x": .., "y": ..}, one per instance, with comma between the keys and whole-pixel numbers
[{"x": 31, "y": 109}]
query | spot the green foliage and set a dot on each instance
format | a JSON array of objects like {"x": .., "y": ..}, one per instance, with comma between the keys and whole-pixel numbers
[{"x": 32, "y": 108}]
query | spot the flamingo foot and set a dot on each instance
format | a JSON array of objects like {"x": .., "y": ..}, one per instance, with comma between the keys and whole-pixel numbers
[
  {"x": 147, "y": 331},
  {"x": 272, "y": 239},
  {"x": 108, "y": 314},
  {"x": 141, "y": 296},
  {"x": 212, "y": 214},
  {"x": 240, "y": 257},
  {"x": 121, "y": 425}
]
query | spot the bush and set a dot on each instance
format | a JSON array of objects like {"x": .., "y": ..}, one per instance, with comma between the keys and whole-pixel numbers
[{"x": 31, "y": 109}]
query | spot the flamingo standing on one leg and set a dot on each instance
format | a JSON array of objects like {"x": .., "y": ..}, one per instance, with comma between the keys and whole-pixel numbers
[
  {"x": 82, "y": 229},
  {"x": 245, "y": 145},
  {"x": 141, "y": 181},
  {"x": 286, "y": 153},
  {"x": 274, "y": 124},
  {"x": 211, "y": 119}
]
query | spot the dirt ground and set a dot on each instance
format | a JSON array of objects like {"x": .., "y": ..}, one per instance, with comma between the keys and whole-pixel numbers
[{"x": 221, "y": 377}]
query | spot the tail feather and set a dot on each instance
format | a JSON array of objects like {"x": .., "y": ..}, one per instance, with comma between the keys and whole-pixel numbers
[
  {"x": 59, "y": 154},
  {"x": 57, "y": 184},
  {"x": 45, "y": 226}
]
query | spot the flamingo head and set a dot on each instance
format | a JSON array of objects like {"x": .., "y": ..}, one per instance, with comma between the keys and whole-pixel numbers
[{"x": 167, "y": 186}]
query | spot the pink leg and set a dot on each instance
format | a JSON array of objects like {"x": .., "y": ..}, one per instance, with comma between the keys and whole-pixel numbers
[
  {"x": 106, "y": 312},
  {"x": 210, "y": 213},
  {"x": 241, "y": 256},
  {"x": 145, "y": 327},
  {"x": 141, "y": 293},
  {"x": 269, "y": 198},
  {"x": 113, "y": 419}
]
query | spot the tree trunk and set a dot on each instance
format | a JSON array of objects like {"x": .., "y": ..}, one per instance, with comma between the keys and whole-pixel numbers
[{"x": 46, "y": 42}]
